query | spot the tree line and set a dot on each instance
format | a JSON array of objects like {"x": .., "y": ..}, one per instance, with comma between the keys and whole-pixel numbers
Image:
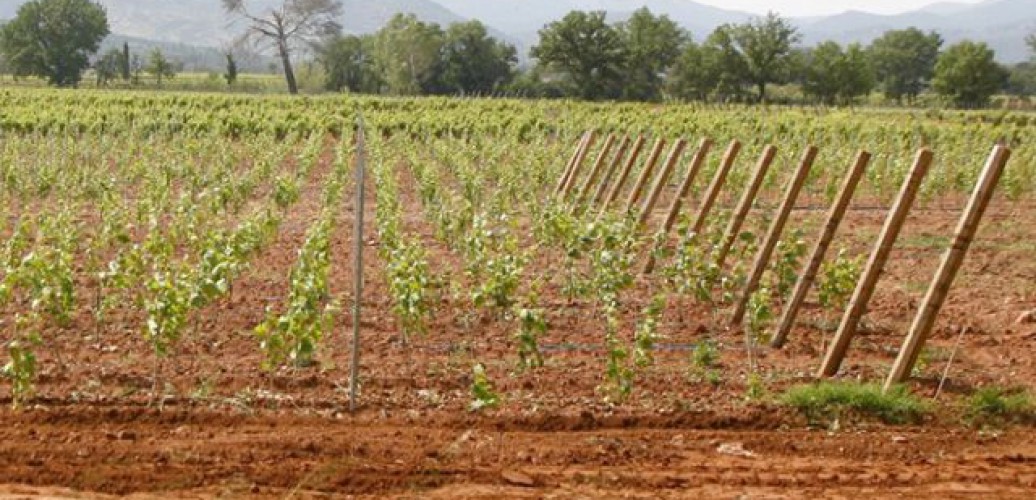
[
  {"x": 648, "y": 57},
  {"x": 121, "y": 64},
  {"x": 645, "y": 57}
]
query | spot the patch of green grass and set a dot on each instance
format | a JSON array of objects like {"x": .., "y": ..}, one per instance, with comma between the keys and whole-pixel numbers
[
  {"x": 926, "y": 241},
  {"x": 829, "y": 400},
  {"x": 997, "y": 405},
  {"x": 916, "y": 287}
]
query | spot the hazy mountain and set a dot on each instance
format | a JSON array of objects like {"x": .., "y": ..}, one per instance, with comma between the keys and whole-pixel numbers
[
  {"x": 1003, "y": 24},
  {"x": 198, "y": 22},
  {"x": 193, "y": 57},
  {"x": 367, "y": 17},
  {"x": 946, "y": 8}
]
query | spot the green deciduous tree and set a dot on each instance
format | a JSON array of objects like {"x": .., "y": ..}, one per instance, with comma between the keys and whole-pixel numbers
[
  {"x": 54, "y": 39},
  {"x": 109, "y": 66},
  {"x": 653, "y": 44},
  {"x": 724, "y": 62},
  {"x": 904, "y": 61},
  {"x": 349, "y": 64},
  {"x": 716, "y": 69},
  {"x": 473, "y": 61},
  {"x": 587, "y": 53},
  {"x": 160, "y": 66},
  {"x": 1022, "y": 80},
  {"x": 690, "y": 78},
  {"x": 834, "y": 75},
  {"x": 286, "y": 24},
  {"x": 407, "y": 51},
  {"x": 765, "y": 47},
  {"x": 532, "y": 83},
  {"x": 968, "y": 74}
]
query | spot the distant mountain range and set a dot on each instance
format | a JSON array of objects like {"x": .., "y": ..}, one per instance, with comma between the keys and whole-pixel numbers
[{"x": 1003, "y": 24}]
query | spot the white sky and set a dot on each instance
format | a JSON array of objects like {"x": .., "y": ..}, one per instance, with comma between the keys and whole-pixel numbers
[{"x": 824, "y": 7}]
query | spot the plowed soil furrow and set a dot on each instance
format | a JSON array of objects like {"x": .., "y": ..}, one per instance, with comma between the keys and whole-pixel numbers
[{"x": 269, "y": 456}]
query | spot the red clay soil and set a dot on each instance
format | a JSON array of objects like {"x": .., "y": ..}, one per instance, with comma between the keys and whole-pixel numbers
[
  {"x": 228, "y": 428},
  {"x": 198, "y": 454}
]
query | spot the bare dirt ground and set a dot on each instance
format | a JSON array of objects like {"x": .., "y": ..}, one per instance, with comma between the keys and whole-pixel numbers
[
  {"x": 198, "y": 454},
  {"x": 228, "y": 428}
]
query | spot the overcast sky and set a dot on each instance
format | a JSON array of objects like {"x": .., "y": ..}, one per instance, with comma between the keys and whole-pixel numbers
[{"x": 823, "y": 7}]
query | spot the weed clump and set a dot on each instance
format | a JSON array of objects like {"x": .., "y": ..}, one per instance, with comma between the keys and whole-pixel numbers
[
  {"x": 834, "y": 400},
  {"x": 995, "y": 405}
]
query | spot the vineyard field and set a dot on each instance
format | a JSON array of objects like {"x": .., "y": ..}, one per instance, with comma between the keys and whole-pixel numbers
[{"x": 176, "y": 302}]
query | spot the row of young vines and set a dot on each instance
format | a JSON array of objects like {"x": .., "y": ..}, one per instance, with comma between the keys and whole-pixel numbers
[{"x": 143, "y": 211}]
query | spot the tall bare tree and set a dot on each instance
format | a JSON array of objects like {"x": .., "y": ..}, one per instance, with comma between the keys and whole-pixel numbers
[{"x": 285, "y": 25}]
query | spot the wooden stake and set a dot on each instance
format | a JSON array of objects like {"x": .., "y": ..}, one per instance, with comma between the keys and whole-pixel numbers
[
  {"x": 624, "y": 174},
  {"x": 663, "y": 177},
  {"x": 712, "y": 192},
  {"x": 875, "y": 265},
  {"x": 681, "y": 193},
  {"x": 571, "y": 162},
  {"x": 745, "y": 205},
  {"x": 606, "y": 179},
  {"x": 354, "y": 365},
  {"x": 578, "y": 165},
  {"x": 762, "y": 259},
  {"x": 596, "y": 169},
  {"x": 649, "y": 168},
  {"x": 951, "y": 262},
  {"x": 685, "y": 187},
  {"x": 834, "y": 219}
]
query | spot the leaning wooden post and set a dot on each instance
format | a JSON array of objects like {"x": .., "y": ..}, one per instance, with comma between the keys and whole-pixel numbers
[
  {"x": 624, "y": 174},
  {"x": 834, "y": 219},
  {"x": 606, "y": 179},
  {"x": 354, "y": 366},
  {"x": 663, "y": 177},
  {"x": 875, "y": 265},
  {"x": 681, "y": 193},
  {"x": 578, "y": 165},
  {"x": 685, "y": 187},
  {"x": 571, "y": 162},
  {"x": 602, "y": 156},
  {"x": 762, "y": 259},
  {"x": 712, "y": 192},
  {"x": 745, "y": 205},
  {"x": 645, "y": 174},
  {"x": 951, "y": 262}
]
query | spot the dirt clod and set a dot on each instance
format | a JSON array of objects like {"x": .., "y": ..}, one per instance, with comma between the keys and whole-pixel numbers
[
  {"x": 735, "y": 449},
  {"x": 1027, "y": 318},
  {"x": 518, "y": 479}
]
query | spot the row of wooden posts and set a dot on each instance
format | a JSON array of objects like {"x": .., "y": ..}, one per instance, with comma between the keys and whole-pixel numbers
[{"x": 609, "y": 174}]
